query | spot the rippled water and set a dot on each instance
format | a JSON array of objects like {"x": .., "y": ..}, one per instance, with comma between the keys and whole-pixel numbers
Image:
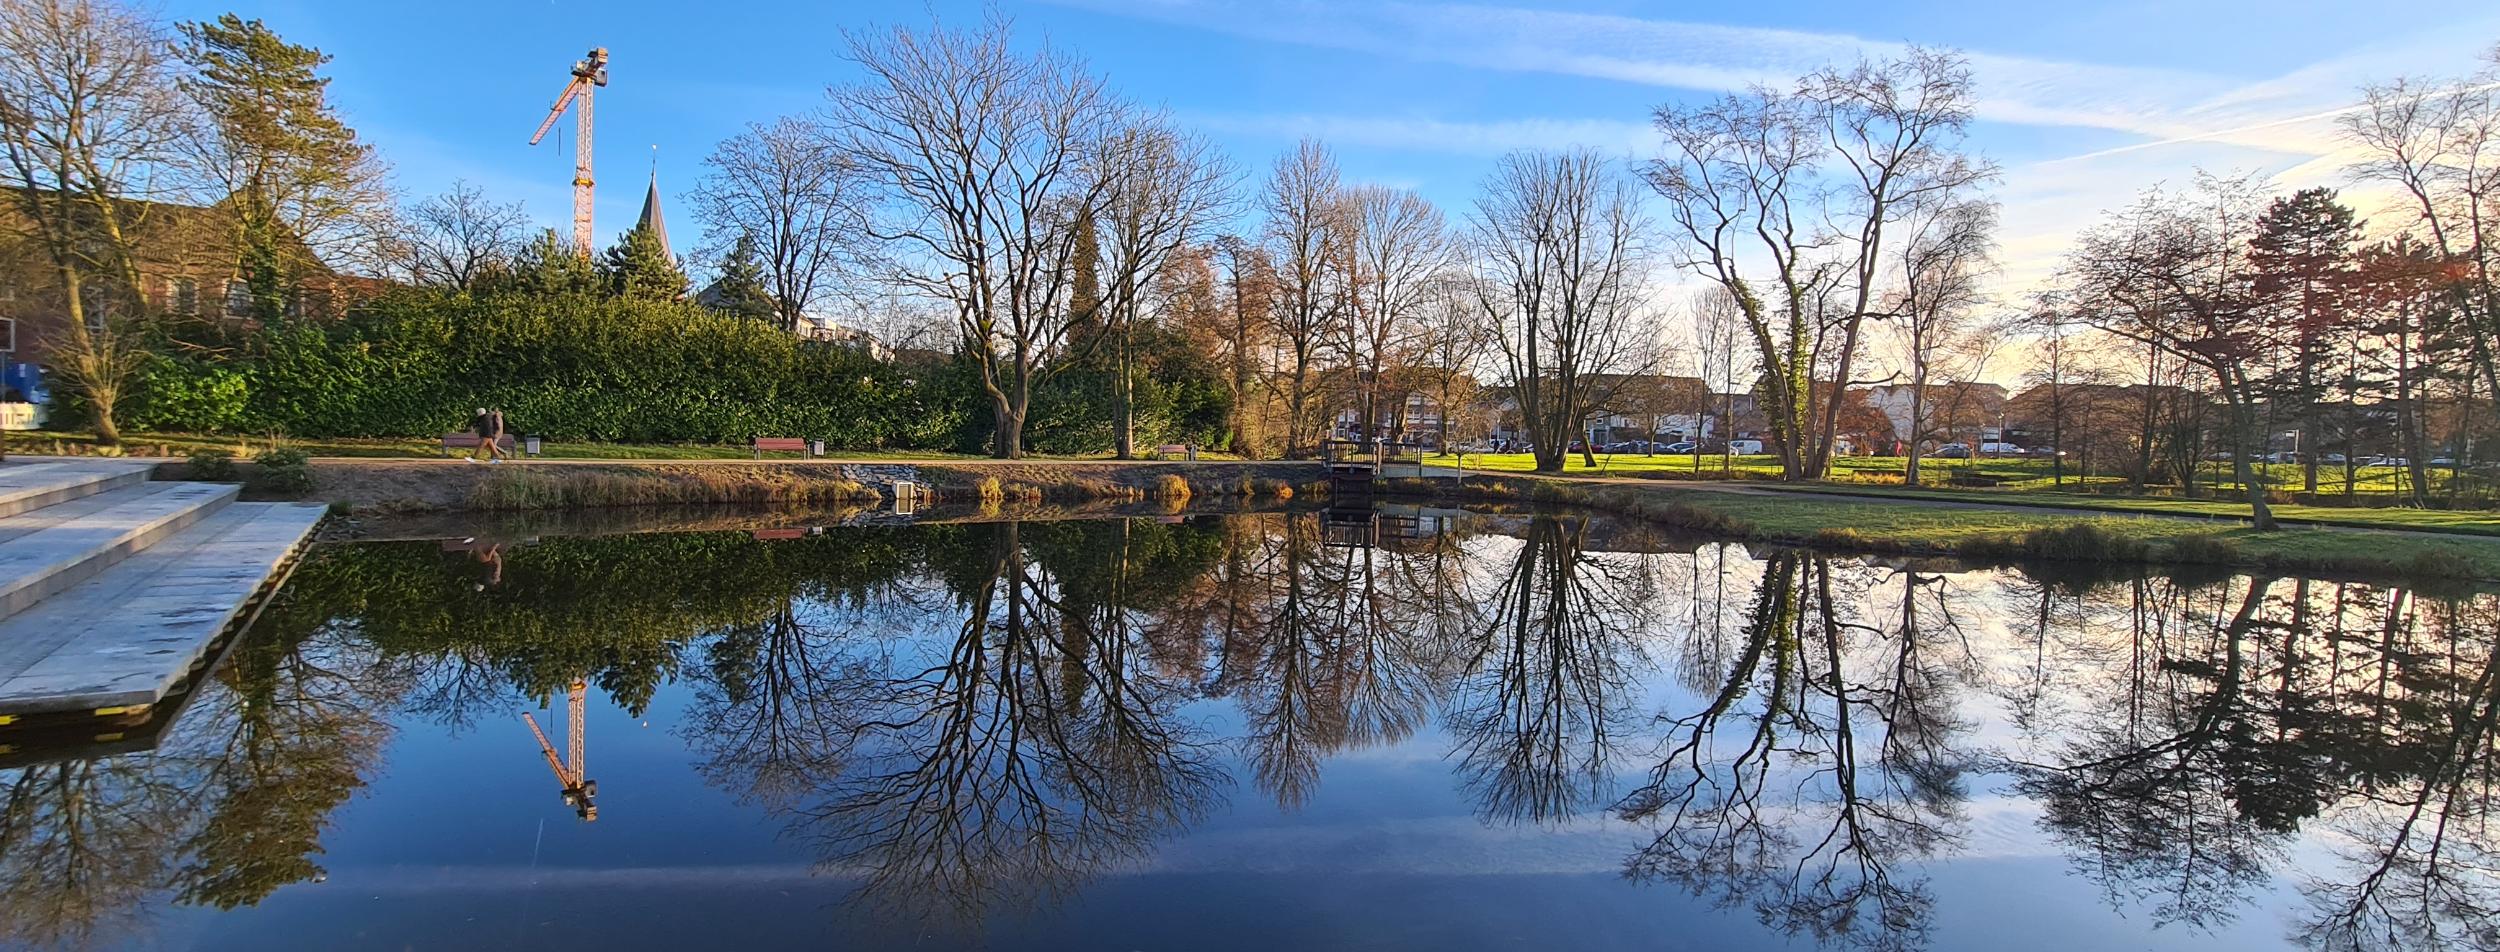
[{"x": 1271, "y": 731}]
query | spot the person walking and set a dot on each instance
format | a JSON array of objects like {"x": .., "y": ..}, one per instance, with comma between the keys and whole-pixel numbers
[{"x": 488, "y": 425}]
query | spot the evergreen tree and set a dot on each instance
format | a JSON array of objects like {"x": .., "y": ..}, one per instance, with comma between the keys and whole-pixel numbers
[
  {"x": 294, "y": 173},
  {"x": 547, "y": 267},
  {"x": 740, "y": 291},
  {"x": 2301, "y": 263},
  {"x": 638, "y": 266}
]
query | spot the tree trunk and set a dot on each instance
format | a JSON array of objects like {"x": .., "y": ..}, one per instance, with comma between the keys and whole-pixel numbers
[
  {"x": 1124, "y": 402},
  {"x": 1008, "y": 440},
  {"x": 2244, "y": 425}
]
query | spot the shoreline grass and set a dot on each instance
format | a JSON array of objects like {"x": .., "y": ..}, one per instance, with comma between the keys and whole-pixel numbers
[
  {"x": 1879, "y": 525},
  {"x": 2012, "y": 475}
]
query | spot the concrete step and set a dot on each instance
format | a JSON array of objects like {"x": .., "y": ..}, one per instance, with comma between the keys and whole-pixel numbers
[
  {"x": 135, "y": 631},
  {"x": 26, "y": 486},
  {"x": 52, "y": 548}
]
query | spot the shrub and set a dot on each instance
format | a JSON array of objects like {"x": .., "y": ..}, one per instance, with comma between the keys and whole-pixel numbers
[
  {"x": 2207, "y": 548},
  {"x": 2440, "y": 563},
  {"x": 1171, "y": 487},
  {"x": 214, "y": 466},
  {"x": 285, "y": 472},
  {"x": 168, "y": 394},
  {"x": 2075, "y": 542}
]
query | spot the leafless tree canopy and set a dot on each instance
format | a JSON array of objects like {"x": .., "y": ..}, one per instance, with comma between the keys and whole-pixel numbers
[
  {"x": 455, "y": 239},
  {"x": 1307, "y": 241},
  {"x": 89, "y": 121},
  {"x": 788, "y": 188},
  {"x": 978, "y": 161},
  {"x": 1784, "y": 198},
  {"x": 1560, "y": 268}
]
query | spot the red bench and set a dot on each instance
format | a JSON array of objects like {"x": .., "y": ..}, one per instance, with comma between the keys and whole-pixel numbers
[
  {"x": 780, "y": 444},
  {"x": 469, "y": 441}
]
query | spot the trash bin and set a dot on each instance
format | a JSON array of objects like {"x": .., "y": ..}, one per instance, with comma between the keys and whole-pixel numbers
[
  {"x": 531, "y": 444},
  {"x": 816, "y": 448}
]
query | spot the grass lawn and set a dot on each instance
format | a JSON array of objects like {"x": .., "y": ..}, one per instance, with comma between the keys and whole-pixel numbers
[
  {"x": 1852, "y": 522},
  {"x": 2026, "y": 482}
]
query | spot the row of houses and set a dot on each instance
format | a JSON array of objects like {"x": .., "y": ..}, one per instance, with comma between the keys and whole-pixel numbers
[{"x": 1884, "y": 419}]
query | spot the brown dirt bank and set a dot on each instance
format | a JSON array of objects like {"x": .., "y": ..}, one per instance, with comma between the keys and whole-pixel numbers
[{"x": 397, "y": 485}]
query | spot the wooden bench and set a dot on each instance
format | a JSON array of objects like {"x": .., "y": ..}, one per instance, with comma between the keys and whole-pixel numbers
[
  {"x": 1172, "y": 451},
  {"x": 469, "y": 441},
  {"x": 780, "y": 444}
]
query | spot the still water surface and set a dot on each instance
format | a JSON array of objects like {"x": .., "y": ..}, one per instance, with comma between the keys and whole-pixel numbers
[{"x": 1237, "y": 732}]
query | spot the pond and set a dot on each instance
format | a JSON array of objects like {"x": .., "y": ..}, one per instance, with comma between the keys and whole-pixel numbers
[{"x": 1421, "y": 730}]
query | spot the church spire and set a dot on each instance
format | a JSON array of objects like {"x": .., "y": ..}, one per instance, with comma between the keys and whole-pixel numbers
[{"x": 651, "y": 220}]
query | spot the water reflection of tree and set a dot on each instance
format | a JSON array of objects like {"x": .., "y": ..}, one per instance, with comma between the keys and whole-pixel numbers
[
  {"x": 1790, "y": 811},
  {"x": 2420, "y": 845},
  {"x": 997, "y": 762},
  {"x": 229, "y": 806},
  {"x": 1539, "y": 712},
  {"x": 1338, "y": 654},
  {"x": 2232, "y": 717},
  {"x": 2146, "y": 792}
]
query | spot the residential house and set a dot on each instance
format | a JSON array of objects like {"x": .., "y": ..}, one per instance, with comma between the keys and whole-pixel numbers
[{"x": 187, "y": 257}]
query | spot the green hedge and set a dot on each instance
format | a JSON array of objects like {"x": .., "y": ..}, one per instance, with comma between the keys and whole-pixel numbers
[
  {"x": 590, "y": 367},
  {"x": 415, "y": 364}
]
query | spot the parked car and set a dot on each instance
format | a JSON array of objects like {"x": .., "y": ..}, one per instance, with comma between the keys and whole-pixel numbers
[
  {"x": 1687, "y": 446},
  {"x": 2443, "y": 462},
  {"x": 2286, "y": 456},
  {"x": 2000, "y": 449},
  {"x": 1952, "y": 451},
  {"x": 2335, "y": 458},
  {"x": 1745, "y": 447},
  {"x": 2044, "y": 451}
]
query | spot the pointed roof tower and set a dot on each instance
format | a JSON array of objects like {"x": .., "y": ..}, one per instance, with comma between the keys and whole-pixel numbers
[{"x": 651, "y": 220}]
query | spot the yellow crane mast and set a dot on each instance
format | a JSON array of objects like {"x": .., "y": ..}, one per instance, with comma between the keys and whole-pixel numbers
[
  {"x": 589, "y": 72},
  {"x": 579, "y": 790}
]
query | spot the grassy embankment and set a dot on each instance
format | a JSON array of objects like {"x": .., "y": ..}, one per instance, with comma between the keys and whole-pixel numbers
[
  {"x": 2007, "y": 475},
  {"x": 1989, "y": 533}
]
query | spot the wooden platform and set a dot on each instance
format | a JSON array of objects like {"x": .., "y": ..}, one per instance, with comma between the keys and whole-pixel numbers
[{"x": 114, "y": 591}]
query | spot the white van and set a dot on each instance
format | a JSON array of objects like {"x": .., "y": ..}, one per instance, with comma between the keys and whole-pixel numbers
[{"x": 1745, "y": 447}]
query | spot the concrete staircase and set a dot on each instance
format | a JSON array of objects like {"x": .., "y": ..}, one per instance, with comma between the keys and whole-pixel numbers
[{"x": 113, "y": 588}]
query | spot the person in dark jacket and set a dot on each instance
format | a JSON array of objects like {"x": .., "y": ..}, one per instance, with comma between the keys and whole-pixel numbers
[{"x": 488, "y": 425}]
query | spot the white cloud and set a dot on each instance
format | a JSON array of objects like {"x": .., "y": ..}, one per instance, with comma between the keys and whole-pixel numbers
[{"x": 1441, "y": 135}]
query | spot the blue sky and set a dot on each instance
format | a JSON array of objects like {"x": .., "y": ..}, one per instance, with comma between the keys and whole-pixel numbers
[{"x": 2083, "y": 103}]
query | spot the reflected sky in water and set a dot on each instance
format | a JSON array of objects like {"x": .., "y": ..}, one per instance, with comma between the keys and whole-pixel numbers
[{"x": 1275, "y": 730}]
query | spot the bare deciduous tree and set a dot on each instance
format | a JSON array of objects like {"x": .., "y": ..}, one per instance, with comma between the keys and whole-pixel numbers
[
  {"x": 1720, "y": 335},
  {"x": 1751, "y": 196},
  {"x": 1398, "y": 245},
  {"x": 2170, "y": 272},
  {"x": 978, "y": 158},
  {"x": 1166, "y": 187},
  {"x": 2440, "y": 145},
  {"x": 784, "y": 186},
  {"x": 460, "y": 237},
  {"x": 1560, "y": 275},
  {"x": 1306, "y": 239},
  {"x": 89, "y": 117},
  {"x": 1943, "y": 260}
]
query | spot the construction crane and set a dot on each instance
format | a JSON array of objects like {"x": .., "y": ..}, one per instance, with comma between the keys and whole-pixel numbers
[
  {"x": 579, "y": 790},
  {"x": 588, "y": 73}
]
